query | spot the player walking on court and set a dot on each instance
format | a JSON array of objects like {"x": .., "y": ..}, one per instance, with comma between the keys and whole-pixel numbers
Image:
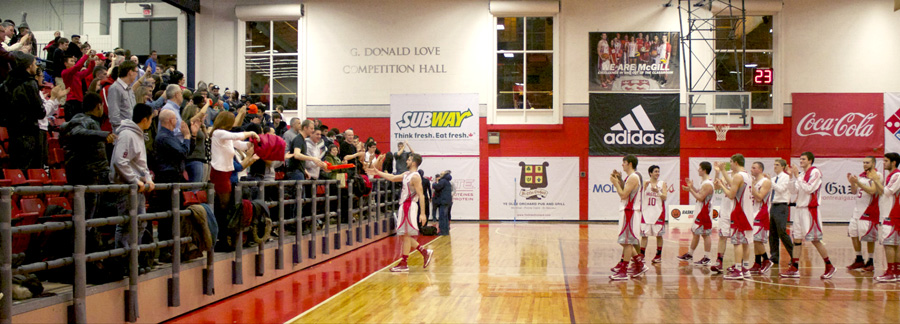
[
  {"x": 723, "y": 224},
  {"x": 412, "y": 203},
  {"x": 866, "y": 215},
  {"x": 629, "y": 190},
  {"x": 807, "y": 225},
  {"x": 890, "y": 218},
  {"x": 761, "y": 190},
  {"x": 741, "y": 230},
  {"x": 653, "y": 213},
  {"x": 703, "y": 222}
]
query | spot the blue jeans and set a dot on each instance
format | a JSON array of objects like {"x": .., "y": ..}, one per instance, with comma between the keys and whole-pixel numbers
[
  {"x": 443, "y": 219},
  {"x": 195, "y": 171}
]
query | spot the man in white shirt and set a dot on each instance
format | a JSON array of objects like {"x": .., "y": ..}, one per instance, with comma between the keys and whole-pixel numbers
[
  {"x": 778, "y": 214},
  {"x": 315, "y": 147},
  {"x": 807, "y": 223}
]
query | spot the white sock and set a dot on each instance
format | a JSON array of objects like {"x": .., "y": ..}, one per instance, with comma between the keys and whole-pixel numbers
[
  {"x": 746, "y": 264},
  {"x": 859, "y": 253}
]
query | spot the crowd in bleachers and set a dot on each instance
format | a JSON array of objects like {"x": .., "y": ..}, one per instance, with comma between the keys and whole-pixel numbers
[{"x": 108, "y": 118}]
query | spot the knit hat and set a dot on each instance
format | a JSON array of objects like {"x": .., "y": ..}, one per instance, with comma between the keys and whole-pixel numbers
[
  {"x": 252, "y": 109},
  {"x": 24, "y": 23}
]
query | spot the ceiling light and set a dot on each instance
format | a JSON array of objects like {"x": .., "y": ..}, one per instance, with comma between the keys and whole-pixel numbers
[
  {"x": 751, "y": 65},
  {"x": 509, "y": 55},
  {"x": 501, "y": 27}
]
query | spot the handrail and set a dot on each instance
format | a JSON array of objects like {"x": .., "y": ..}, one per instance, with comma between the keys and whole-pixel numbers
[{"x": 383, "y": 195}]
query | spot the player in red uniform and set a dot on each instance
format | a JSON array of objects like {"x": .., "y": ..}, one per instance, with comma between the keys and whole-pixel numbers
[
  {"x": 742, "y": 231},
  {"x": 890, "y": 218},
  {"x": 807, "y": 224},
  {"x": 629, "y": 190},
  {"x": 863, "y": 225},
  {"x": 703, "y": 222}
]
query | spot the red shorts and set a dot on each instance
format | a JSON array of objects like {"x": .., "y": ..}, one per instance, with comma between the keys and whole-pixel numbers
[{"x": 221, "y": 181}]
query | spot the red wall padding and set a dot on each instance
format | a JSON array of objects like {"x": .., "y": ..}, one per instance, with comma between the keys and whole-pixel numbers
[{"x": 571, "y": 139}]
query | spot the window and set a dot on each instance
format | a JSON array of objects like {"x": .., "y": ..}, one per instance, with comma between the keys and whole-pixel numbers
[
  {"x": 526, "y": 76},
  {"x": 734, "y": 69},
  {"x": 272, "y": 63}
]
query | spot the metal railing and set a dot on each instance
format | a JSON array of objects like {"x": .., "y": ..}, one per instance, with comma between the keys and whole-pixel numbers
[{"x": 373, "y": 217}]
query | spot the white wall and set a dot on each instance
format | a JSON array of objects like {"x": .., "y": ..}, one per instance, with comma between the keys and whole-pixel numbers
[
  {"x": 120, "y": 11},
  {"x": 821, "y": 46},
  {"x": 840, "y": 46}
]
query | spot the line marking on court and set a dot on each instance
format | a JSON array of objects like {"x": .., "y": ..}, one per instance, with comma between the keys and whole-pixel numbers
[
  {"x": 566, "y": 279},
  {"x": 351, "y": 286}
]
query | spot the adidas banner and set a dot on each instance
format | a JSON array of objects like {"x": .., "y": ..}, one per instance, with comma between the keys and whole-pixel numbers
[{"x": 639, "y": 124}]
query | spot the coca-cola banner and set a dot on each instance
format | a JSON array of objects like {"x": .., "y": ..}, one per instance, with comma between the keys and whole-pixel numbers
[
  {"x": 838, "y": 124},
  {"x": 892, "y": 122}
]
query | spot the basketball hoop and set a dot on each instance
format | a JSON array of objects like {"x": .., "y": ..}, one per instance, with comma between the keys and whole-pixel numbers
[{"x": 721, "y": 130}]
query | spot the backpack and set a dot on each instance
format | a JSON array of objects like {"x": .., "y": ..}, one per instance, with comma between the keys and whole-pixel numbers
[
  {"x": 269, "y": 147},
  {"x": 361, "y": 185},
  {"x": 427, "y": 230}
]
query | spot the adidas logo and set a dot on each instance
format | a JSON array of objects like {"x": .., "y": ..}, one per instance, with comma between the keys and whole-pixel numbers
[{"x": 635, "y": 128}]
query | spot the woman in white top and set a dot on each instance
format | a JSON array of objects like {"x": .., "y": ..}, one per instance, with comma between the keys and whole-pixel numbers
[{"x": 222, "y": 153}]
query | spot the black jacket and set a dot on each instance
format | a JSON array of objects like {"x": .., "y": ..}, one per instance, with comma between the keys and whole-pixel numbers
[
  {"x": 84, "y": 144},
  {"x": 25, "y": 104},
  {"x": 443, "y": 194}
]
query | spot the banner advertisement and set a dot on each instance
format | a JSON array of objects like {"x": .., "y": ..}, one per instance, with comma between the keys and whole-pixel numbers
[
  {"x": 719, "y": 195},
  {"x": 533, "y": 188},
  {"x": 633, "y": 61},
  {"x": 639, "y": 124},
  {"x": 892, "y": 122},
  {"x": 465, "y": 178},
  {"x": 436, "y": 124},
  {"x": 604, "y": 201},
  {"x": 838, "y": 124},
  {"x": 837, "y": 201}
]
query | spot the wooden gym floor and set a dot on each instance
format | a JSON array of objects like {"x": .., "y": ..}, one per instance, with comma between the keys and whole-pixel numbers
[{"x": 557, "y": 273}]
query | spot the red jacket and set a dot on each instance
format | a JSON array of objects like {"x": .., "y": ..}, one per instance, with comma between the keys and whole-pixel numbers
[
  {"x": 104, "y": 88},
  {"x": 73, "y": 77}
]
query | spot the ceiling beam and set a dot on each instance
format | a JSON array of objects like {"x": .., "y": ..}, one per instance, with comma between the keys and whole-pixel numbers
[{"x": 191, "y": 6}]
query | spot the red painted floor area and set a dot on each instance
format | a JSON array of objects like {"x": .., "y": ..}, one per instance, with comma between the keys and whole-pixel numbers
[{"x": 287, "y": 297}]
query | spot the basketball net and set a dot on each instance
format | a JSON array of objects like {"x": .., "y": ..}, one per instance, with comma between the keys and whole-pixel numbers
[{"x": 721, "y": 130}]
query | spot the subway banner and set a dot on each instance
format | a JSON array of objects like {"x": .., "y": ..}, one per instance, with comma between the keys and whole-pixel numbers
[
  {"x": 436, "y": 124},
  {"x": 633, "y": 61},
  {"x": 603, "y": 200},
  {"x": 639, "y": 124},
  {"x": 533, "y": 188},
  {"x": 465, "y": 177}
]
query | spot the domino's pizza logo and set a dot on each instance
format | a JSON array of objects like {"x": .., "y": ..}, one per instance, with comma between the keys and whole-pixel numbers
[
  {"x": 533, "y": 180},
  {"x": 892, "y": 124}
]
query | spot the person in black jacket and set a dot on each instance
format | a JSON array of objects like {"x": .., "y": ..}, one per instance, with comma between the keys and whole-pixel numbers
[
  {"x": 84, "y": 144},
  {"x": 443, "y": 195},
  {"x": 22, "y": 115},
  {"x": 59, "y": 60}
]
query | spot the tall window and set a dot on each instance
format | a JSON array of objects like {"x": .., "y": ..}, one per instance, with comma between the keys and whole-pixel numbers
[
  {"x": 525, "y": 78},
  {"x": 732, "y": 70},
  {"x": 272, "y": 63}
]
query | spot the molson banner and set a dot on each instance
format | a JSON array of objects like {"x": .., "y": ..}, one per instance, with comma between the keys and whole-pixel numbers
[
  {"x": 838, "y": 124},
  {"x": 436, "y": 124},
  {"x": 604, "y": 201},
  {"x": 639, "y": 124}
]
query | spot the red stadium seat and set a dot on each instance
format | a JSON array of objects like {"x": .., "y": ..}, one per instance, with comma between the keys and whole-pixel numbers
[
  {"x": 56, "y": 158},
  {"x": 202, "y": 196},
  {"x": 20, "y": 241},
  {"x": 60, "y": 201},
  {"x": 33, "y": 205},
  {"x": 18, "y": 178},
  {"x": 189, "y": 198},
  {"x": 4, "y": 135},
  {"x": 40, "y": 175},
  {"x": 58, "y": 177}
]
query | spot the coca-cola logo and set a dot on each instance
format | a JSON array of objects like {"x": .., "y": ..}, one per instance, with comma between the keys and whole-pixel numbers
[{"x": 849, "y": 125}]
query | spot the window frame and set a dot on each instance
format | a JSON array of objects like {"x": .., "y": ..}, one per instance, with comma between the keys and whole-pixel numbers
[
  {"x": 772, "y": 51},
  {"x": 243, "y": 55},
  {"x": 516, "y": 116}
]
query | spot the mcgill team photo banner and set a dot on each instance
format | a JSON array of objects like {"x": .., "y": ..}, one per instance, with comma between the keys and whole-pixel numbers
[
  {"x": 633, "y": 61},
  {"x": 639, "y": 124},
  {"x": 838, "y": 124},
  {"x": 436, "y": 124}
]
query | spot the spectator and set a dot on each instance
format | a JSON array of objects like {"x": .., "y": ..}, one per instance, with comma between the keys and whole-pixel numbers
[
  {"x": 141, "y": 72},
  {"x": 52, "y": 45},
  {"x": 7, "y": 60},
  {"x": 120, "y": 96},
  {"x": 172, "y": 149},
  {"x": 73, "y": 77},
  {"x": 151, "y": 62},
  {"x": 74, "y": 48},
  {"x": 174, "y": 99},
  {"x": 351, "y": 149},
  {"x": 197, "y": 167},
  {"x": 443, "y": 196},
  {"x": 213, "y": 112},
  {"x": 387, "y": 164},
  {"x": 22, "y": 122},
  {"x": 85, "y": 149},
  {"x": 25, "y": 32},
  {"x": 299, "y": 154},
  {"x": 57, "y": 95},
  {"x": 59, "y": 60},
  {"x": 129, "y": 166},
  {"x": 12, "y": 42},
  {"x": 177, "y": 78},
  {"x": 280, "y": 126},
  {"x": 316, "y": 148},
  {"x": 332, "y": 157},
  {"x": 401, "y": 156},
  {"x": 222, "y": 156},
  {"x": 97, "y": 77},
  {"x": 291, "y": 133}
]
